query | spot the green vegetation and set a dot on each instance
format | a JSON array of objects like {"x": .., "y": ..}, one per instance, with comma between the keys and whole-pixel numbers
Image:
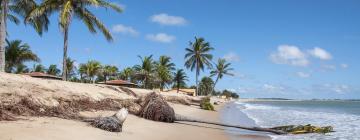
[
  {"x": 222, "y": 68},
  {"x": 227, "y": 93},
  {"x": 206, "y": 104},
  {"x": 206, "y": 86}
]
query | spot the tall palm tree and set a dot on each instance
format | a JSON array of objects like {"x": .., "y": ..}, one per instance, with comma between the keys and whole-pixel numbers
[
  {"x": 53, "y": 70},
  {"x": 70, "y": 67},
  {"x": 198, "y": 57},
  {"x": 108, "y": 71},
  {"x": 92, "y": 69},
  {"x": 17, "y": 54},
  {"x": 221, "y": 69},
  {"x": 164, "y": 68},
  {"x": 74, "y": 8},
  {"x": 8, "y": 10},
  {"x": 145, "y": 70},
  {"x": 179, "y": 79}
]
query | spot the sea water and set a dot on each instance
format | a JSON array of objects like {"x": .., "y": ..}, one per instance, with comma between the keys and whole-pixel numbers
[{"x": 343, "y": 115}]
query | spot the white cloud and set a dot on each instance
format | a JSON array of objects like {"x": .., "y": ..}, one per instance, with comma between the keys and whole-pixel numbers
[
  {"x": 333, "y": 88},
  {"x": 161, "y": 37},
  {"x": 320, "y": 53},
  {"x": 232, "y": 57},
  {"x": 303, "y": 74},
  {"x": 328, "y": 67},
  {"x": 165, "y": 19},
  {"x": 127, "y": 30},
  {"x": 292, "y": 55},
  {"x": 345, "y": 66}
]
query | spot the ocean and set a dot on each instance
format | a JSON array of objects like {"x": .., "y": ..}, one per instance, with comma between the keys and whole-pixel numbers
[{"x": 343, "y": 115}]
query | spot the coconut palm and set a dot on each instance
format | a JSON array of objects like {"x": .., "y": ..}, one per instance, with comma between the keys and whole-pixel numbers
[
  {"x": 144, "y": 72},
  {"x": 53, "y": 70},
  {"x": 39, "y": 68},
  {"x": 221, "y": 69},
  {"x": 198, "y": 57},
  {"x": 126, "y": 74},
  {"x": 22, "y": 69},
  {"x": 82, "y": 71},
  {"x": 179, "y": 79},
  {"x": 18, "y": 53},
  {"x": 8, "y": 10},
  {"x": 92, "y": 69},
  {"x": 206, "y": 86},
  {"x": 164, "y": 68},
  {"x": 70, "y": 67},
  {"x": 74, "y": 8},
  {"x": 108, "y": 71}
]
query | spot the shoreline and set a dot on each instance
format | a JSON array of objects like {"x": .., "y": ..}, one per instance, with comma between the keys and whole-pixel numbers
[{"x": 230, "y": 113}]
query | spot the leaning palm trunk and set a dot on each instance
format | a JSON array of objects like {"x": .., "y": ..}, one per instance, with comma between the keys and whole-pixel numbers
[
  {"x": 213, "y": 88},
  {"x": 154, "y": 107},
  {"x": 4, "y": 10},
  {"x": 64, "y": 76},
  {"x": 180, "y": 118}
]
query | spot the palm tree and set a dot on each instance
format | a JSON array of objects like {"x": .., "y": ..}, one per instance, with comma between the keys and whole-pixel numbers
[
  {"x": 21, "y": 69},
  {"x": 108, "y": 71},
  {"x": 197, "y": 57},
  {"x": 38, "y": 68},
  {"x": 70, "y": 67},
  {"x": 82, "y": 71},
  {"x": 17, "y": 54},
  {"x": 163, "y": 70},
  {"x": 74, "y": 8},
  {"x": 221, "y": 68},
  {"x": 126, "y": 74},
  {"x": 205, "y": 86},
  {"x": 53, "y": 70},
  {"x": 144, "y": 72},
  {"x": 8, "y": 9},
  {"x": 92, "y": 69},
  {"x": 179, "y": 79}
]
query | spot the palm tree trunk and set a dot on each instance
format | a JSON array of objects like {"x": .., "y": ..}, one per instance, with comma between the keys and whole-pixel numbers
[
  {"x": 186, "y": 119},
  {"x": 212, "y": 90},
  {"x": 64, "y": 76},
  {"x": 4, "y": 9},
  {"x": 197, "y": 84}
]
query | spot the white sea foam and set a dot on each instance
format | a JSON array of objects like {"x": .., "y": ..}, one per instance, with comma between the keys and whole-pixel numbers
[{"x": 347, "y": 126}]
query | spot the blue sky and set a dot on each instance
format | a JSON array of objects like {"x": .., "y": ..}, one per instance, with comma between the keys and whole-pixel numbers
[{"x": 282, "y": 48}]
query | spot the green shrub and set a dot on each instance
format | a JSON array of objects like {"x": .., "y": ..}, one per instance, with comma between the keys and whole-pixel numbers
[{"x": 206, "y": 105}]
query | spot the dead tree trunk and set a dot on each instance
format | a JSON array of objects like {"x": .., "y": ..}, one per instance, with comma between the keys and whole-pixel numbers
[{"x": 180, "y": 118}]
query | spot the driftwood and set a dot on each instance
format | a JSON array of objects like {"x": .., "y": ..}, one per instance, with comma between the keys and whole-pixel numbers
[
  {"x": 154, "y": 107},
  {"x": 180, "y": 118},
  {"x": 112, "y": 123}
]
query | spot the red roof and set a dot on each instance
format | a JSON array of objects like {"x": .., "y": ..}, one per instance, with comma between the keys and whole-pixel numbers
[
  {"x": 118, "y": 82},
  {"x": 42, "y": 75}
]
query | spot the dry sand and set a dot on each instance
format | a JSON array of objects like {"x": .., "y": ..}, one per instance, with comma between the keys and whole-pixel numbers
[
  {"x": 135, "y": 128},
  {"x": 45, "y": 128}
]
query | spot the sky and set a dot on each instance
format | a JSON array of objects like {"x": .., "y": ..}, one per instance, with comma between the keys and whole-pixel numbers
[{"x": 282, "y": 48}]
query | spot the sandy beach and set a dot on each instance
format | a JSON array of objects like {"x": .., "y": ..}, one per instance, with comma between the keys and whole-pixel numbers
[{"x": 46, "y": 92}]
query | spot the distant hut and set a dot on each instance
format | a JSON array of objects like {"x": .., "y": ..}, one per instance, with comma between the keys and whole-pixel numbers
[
  {"x": 42, "y": 75},
  {"x": 119, "y": 83}
]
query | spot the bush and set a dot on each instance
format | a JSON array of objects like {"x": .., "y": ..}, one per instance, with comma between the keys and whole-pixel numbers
[{"x": 206, "y": 105}]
